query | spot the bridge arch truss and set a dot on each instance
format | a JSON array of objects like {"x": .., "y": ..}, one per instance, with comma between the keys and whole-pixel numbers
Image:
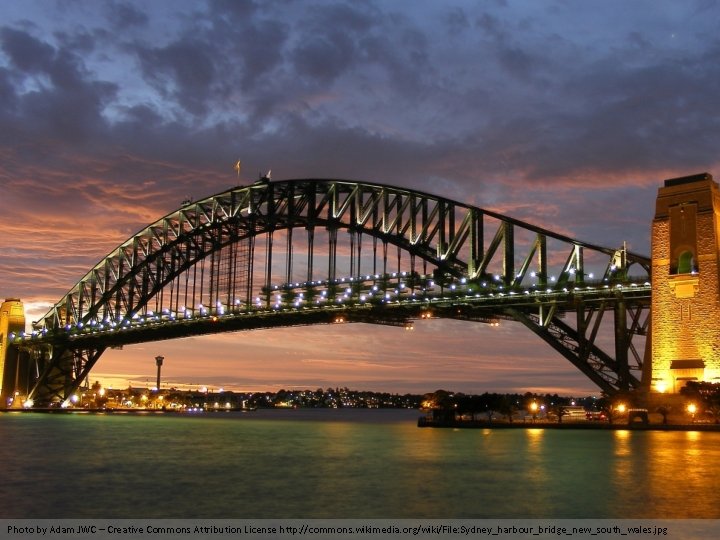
[{"x": 317, "y": 251}]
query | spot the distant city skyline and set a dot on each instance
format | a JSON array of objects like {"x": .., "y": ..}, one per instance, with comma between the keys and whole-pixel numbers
[{"x": 567, "y": 115}]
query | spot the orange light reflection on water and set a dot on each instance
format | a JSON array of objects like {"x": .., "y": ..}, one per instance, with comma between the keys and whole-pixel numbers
[{"x": 666, "y": 474}]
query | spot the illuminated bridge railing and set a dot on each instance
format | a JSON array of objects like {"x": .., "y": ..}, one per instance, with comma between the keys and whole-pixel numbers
[{"x": 393, "y": 299}]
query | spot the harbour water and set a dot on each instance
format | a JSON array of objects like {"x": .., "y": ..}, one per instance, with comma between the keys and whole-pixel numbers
[{"x": 344, "y": 464}]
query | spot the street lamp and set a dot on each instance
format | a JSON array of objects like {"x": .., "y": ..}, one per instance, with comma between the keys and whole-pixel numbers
[
  {"x": 692, "y": 409},
  {"x": 534, "y": 410}
]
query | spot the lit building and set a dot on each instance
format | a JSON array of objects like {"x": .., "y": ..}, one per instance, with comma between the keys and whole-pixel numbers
[
  {"x": 685, "y": 288},
  {"x": 12, "y": 321}
]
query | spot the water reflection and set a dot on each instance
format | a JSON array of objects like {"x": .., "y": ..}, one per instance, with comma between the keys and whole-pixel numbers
[
  {"x": 284, "y": 468},
  {"x": 666, "y": 474},
  {"x": 534, "y": 437},
  {"x": 538, "y": 481},
  {"x": 623, "y": 457}
]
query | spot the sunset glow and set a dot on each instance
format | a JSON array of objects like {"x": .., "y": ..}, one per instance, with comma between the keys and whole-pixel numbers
[{"x": 565, "y": 115}]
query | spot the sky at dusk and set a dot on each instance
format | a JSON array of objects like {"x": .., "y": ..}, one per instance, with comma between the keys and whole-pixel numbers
[{"x": 567, "y": 114}]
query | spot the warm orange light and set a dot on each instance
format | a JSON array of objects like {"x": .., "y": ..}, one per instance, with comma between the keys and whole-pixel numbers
[
  {"x": 684, "y": 223},
  {"x": 621, "y": 408},
  {"x": 534, "y": 407},
  {"x": 692, "y": 409}
]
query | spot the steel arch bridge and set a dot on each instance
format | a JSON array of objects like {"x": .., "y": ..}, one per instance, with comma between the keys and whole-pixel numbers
[{"x": 318, "y": 251}]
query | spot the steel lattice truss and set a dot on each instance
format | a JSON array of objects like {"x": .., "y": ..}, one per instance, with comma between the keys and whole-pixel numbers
[{"x": 312, "y": 251}]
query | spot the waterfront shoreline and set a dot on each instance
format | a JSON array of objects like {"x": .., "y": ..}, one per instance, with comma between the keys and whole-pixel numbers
[
  {"x": 60, "y": 410},
  {"x": 568, "y": 425},
  {"x": 422, "y": 422}
]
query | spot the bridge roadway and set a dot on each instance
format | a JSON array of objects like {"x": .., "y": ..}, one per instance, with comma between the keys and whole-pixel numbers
[{"x": 454, "y": 301}]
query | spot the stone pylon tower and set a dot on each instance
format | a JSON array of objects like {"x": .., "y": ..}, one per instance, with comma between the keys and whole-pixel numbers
[
  {"x": 685, "y": 288},
  {"x": 12, "y": 320}
]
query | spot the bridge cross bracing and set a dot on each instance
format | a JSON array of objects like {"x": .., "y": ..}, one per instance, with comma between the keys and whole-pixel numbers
[{"x": 314, "y": 251}]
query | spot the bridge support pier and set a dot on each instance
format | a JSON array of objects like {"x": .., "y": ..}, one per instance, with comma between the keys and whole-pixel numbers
[
  {"x": 62, "y": 374},
  {"x": 685, "y": 287},
  {"x": 621, "y": 346},
  {"x": 13, "y": 363}
]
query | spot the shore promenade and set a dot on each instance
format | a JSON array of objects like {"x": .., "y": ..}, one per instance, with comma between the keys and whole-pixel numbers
[{"x": 569, "y": 424}]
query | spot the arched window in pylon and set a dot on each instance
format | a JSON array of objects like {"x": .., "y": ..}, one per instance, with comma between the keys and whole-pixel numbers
[{"x": 686, "y": 263}]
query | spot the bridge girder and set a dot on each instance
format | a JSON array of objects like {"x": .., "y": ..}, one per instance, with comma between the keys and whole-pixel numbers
[{"x": 578, "y": 344}]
